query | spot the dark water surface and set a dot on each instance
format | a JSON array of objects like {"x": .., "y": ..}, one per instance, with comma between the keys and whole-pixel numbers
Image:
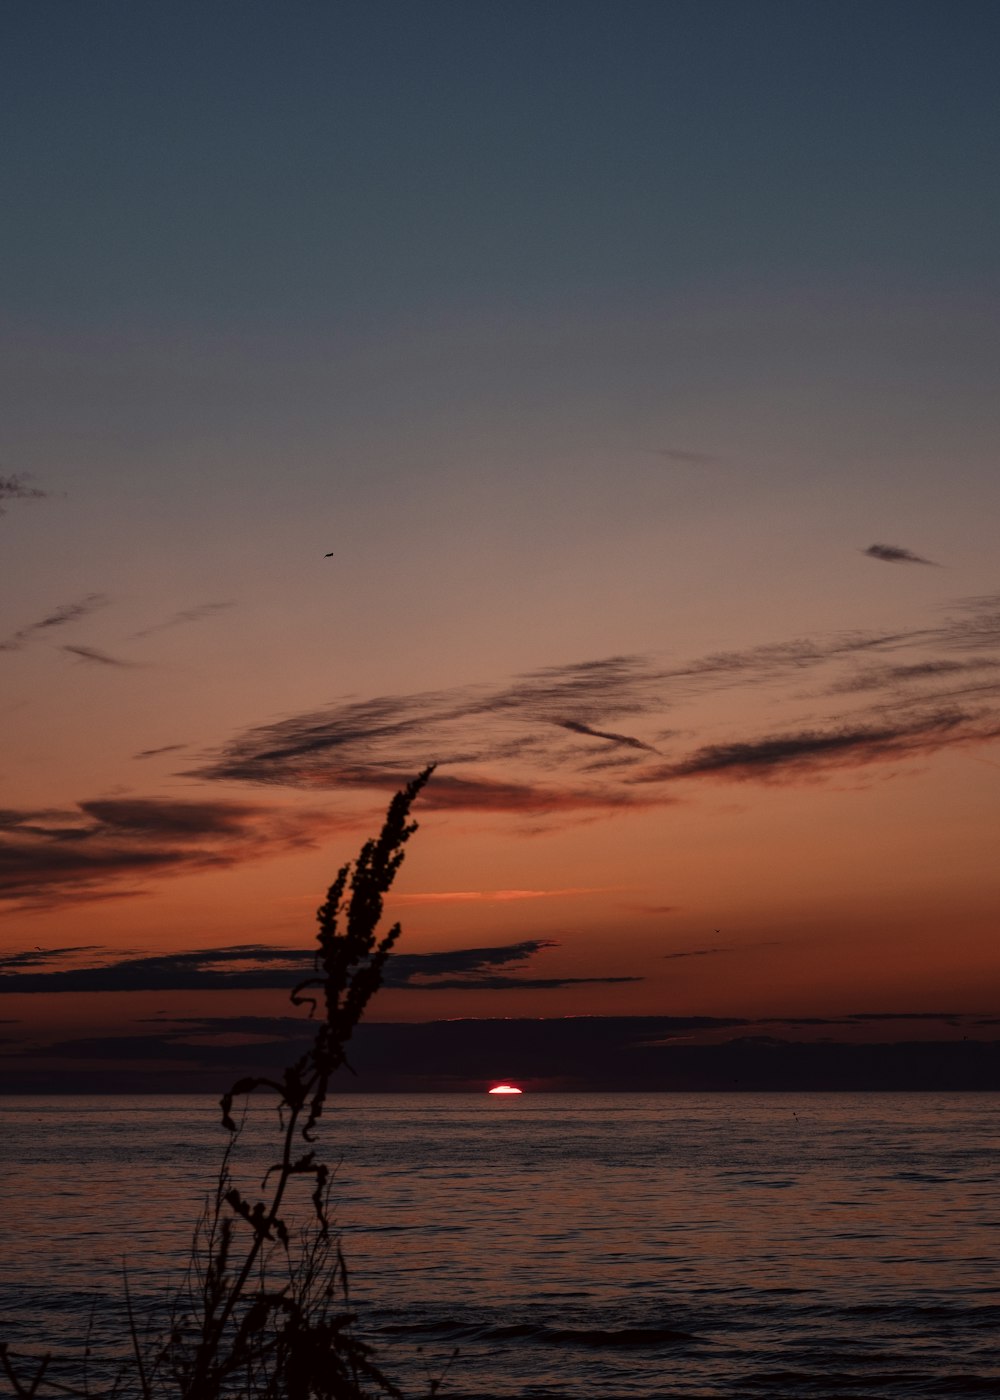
[{"x": 674, "y": 1245}]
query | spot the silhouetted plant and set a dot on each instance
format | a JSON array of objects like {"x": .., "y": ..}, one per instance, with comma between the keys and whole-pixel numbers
[{"x": 264, "y": 1310}]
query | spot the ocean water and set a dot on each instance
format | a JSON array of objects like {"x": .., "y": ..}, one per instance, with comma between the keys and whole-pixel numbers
[{"x": 569, "y": 1246}]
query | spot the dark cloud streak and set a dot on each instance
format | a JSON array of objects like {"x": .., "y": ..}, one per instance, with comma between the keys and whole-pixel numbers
[
  {"x": 57, "y": 857},
  {"x": 179, "y": 619},
  {"x": 33, "y": 958},
  {"x": 578, "y": 727},
  {"x": 16, "y": 488},
  {"x": 155, "y": 753},
  {"x": 59, "y": 617},
  {"x": 98, "y": 658},
  {"x": 777, "y": 755},
  {"x": 258, "y": 966},
  {"x": 720, "y": 949},
  {"x": 895, "y": 554}
]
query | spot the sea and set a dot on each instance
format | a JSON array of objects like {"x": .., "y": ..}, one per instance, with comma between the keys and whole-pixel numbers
[{"x": 566, "y": 1246}]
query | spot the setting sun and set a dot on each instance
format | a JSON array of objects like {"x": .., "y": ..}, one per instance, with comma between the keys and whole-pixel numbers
[{"x": 504, "y": 1089}]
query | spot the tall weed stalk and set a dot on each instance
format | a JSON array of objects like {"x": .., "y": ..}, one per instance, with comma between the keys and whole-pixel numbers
[{"x": 264, "y": 1311}]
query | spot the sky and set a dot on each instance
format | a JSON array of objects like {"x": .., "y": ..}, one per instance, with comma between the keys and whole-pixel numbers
[{"x": 596, "y": 400}]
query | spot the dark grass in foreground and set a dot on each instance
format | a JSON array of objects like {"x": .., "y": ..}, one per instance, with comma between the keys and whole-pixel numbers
[{"x": 264, "y": 1312}]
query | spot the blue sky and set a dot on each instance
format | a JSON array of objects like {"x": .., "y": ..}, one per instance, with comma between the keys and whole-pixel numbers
[{"x": 248, "y": 164}]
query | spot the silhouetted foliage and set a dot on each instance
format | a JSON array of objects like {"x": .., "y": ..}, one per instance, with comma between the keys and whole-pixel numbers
[{"x": 264, "y": 1309}]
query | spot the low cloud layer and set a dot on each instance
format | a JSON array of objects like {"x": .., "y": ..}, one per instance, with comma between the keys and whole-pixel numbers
[
  {"x": 257, "y": 965},
  {"x": 613, "y": 1053}
]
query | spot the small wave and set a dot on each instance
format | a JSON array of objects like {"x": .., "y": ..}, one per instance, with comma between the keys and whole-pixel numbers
[
  {"x": 798, "y": 1378},
  {"x": 962, "y": 1385},
  {"x": 420, "y": 1329},
  {"x": 593, "y": 1338},
  {"x": 598, "y": 1337},
  {"x": 871, "y": 1383},
  {"x": 967, "y": 1314}
]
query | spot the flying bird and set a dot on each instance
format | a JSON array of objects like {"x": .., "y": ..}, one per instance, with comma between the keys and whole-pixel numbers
[{"x": 330, "y": 555}]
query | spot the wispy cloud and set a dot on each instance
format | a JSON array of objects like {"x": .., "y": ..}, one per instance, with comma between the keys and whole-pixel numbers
[
  {"x": 494, "y": 896},
  {"x": 779, "y": 755},
  {"x": 18, "y": 488},
  {"x": 886, "y": 678},
  {"x": 179, "y": 619},
  {"x": 687, "y": 457},
  {"x": 527, "y": 747},
  {"x": 895, "y": 554},
  {"x": 578, "y": 727},
  {"x": 98, "y": 658},
  {"x": 113, "y": 846},
  {"x": 450, "y": 793},
  {"x": 697, "y": 953},
  {"x": 69, "y": 613},
  {"x": 59, "y": 617},
  {"x": 155, "y": 753},
  {"x": 721, "y": 948}
]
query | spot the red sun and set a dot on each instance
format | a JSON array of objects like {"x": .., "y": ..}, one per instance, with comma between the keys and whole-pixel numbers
[{"x": 504, "y": 1089}]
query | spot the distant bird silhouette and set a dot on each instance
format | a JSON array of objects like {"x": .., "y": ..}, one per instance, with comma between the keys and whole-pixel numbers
[{"x": 330, "y": 555}]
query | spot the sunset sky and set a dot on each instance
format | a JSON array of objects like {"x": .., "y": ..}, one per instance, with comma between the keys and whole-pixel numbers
[{"x": 636, "y": 364}]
